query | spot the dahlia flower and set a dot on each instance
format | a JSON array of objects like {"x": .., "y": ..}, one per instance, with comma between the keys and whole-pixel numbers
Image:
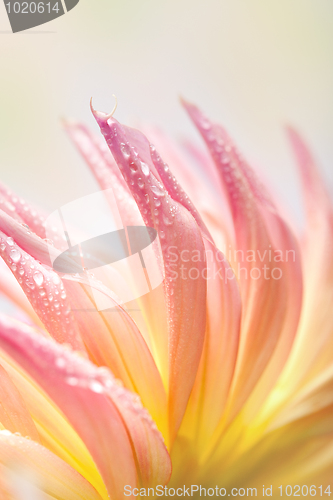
[{"x": 216, "y": 382}]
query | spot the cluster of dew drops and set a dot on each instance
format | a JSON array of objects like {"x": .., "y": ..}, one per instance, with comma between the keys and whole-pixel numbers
[
  {"x": 160, "y": 206},
  {"x": 80, "y": 372},
  {"x": 43, "y": 288},
  {"x": 228, "y": 160}
]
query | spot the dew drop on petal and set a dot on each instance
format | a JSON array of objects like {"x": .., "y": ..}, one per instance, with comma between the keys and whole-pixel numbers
[
  {"x": 72, "y": 381},
  {"x": 10, "y": 241},
  {"x": 10, "y": 206},
  {"x": 157, "y": 191},
  {"x": 145, "y": 169},
  {"x": 56, "y": 279},
  {"x": 141, "y": 184},
  {"x": 125, "y": 149},
  {"x": 15, "y": 255},
  {"x": 38, "y": 278},
  {"x": 96, "y": 386},
  {"x": 60, "y": 362}
]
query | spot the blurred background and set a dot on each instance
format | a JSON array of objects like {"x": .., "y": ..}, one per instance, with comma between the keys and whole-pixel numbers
[{"x": 253, "y": 65}]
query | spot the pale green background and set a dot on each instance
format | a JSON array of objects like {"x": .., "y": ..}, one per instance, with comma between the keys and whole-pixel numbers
[{"x": 252, "y": 64}]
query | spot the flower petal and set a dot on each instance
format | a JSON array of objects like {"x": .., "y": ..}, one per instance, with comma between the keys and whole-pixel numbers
[
  {"x": 211, "y": 389},
  {"x": 14, "y": 415},
  {"x": 271, "y": 304},
  {"x": 55, "y": 432},
  {"x": 103, "y": 166},
  {"x": 316, "y": 321},
  {"x": 120, "y": 346},
  {"x": 185, "y": 297},
  {"x": 96, "y": 154},
  {"x": 52, "y": 475},
  {"x": 45, "y": 291},
  {"x": 96, "y": 406},
  {"x": 21, "y": 209}
]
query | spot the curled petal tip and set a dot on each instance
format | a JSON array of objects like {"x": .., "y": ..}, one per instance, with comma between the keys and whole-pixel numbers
[{"x": 101, "y": 115}]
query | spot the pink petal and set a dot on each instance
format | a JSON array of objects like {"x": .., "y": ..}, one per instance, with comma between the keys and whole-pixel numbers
[
  {"x": 12, "y": 291},
  {"x": 271, "y": 305},
  {"x": 103, "y": 166},
  {"x": 19, "y": 208},
  {"x": 97, "y": 407},
  {"x": 316, "y": 321},
  {"x": 96, "y": 154},
  {"x": 55, "y": 432},
  {"x": 185, "y": 298},
  {"x": 45, "y": 291}
]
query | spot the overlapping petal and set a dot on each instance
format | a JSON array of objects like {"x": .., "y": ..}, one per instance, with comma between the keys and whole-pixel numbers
[
  {"x": 49, "y": 473},
  {"x": 177, "y": 230},
  {"x": 271, "y": 301},
  {"x": 96, "y": 406}
]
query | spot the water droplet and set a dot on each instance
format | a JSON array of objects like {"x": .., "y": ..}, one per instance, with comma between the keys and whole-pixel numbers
[
  {"x": 38, "y": 278},
  {"x": 14, "y": 267},
  {"x": 141, "y": 184},
  {"x": 10, "y": 241},
  {"x": 2, "y": 246},
  {"x": 157, "y": 202},
  {"x": 63, "y": 295},
  {"x": 133, "y": 167},
  {"x": 205, "y": 124},
  {"x": 9, "y": 206},
  {"x": 42, "y": 292},
  {"x": 144, "y": 169},
  {"x": 72, "y": 381},
  {"x": 126, "y": 151},
  {"x": 157, "y": 191},
  {"x": 162, "y": 234},
  {"x": 60, "y": 362},
  {"x": 96, "y": 386},
  {"x": 50, "y": 297},
  {"x": 5, "y": 432},
  {"x": 55, "y": 278},
  {"x": 15, "y": 255},
  {"x": 167, "y": 221}
]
